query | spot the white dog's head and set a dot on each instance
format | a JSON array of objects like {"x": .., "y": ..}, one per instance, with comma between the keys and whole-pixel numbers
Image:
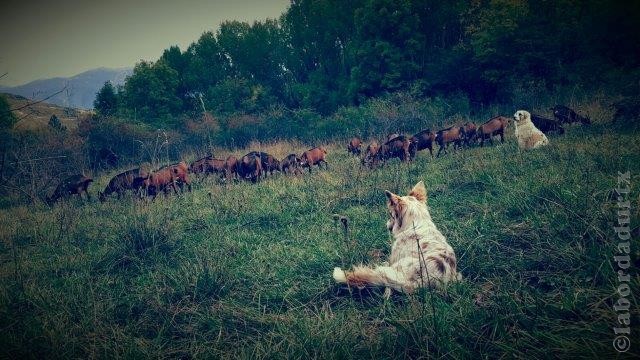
[
  {"x": 522, "y": 116},
  {"x": 406, "y": 210}
]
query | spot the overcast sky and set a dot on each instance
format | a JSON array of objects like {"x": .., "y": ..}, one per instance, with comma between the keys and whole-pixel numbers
[{"x": 43, "y": 39}]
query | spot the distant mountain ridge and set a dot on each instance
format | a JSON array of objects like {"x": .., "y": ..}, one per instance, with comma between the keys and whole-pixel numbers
[{"x": 81, "y": 89}]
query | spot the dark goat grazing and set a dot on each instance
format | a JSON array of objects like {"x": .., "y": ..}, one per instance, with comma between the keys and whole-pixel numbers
[
  {"x": 420, "y": 141},
  {"x": 566, "y": 115},
  {"x": 214, "y": 166},
  {"x": 129, "y": 180},
  {"x": 269, "y": 162},
  {"x": 290, "y": 164},
  {"x": 250, "y": 167},
  {"x": 547, "y": 125},
  {"x": 198, "y": 166},
  {"x": 73, "y": 185},
  {"x": 470, "y": 133},
  {"x": 396, "y": 147},
  {"x": 207, "y": 165}
]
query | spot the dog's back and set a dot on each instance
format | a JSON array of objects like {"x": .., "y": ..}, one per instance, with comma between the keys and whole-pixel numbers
[{"x": 420, "y": 255}]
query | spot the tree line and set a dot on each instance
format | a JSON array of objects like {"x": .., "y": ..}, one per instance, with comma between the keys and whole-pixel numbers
[{"x": 322, "y": 55}]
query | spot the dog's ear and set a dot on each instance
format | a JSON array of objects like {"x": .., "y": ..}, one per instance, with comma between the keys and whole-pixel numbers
[
  {"x": 419, "y": 192},
  {"x": 393, "y": 198}
]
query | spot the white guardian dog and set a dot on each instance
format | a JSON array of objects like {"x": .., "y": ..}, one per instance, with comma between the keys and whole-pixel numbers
[
  {"x": 528, "y": 135},
  {"x": 420, "y": 255}
]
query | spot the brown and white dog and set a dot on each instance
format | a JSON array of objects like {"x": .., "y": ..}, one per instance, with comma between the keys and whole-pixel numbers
[
  {"x": 420, "y": 254},
  {"x": 528, "y": 135}
]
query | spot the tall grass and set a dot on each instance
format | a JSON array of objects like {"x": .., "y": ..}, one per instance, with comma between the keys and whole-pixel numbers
[{"x": 244, "y": 271}]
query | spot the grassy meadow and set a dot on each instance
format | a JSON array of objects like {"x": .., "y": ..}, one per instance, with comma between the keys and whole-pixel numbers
[{"x": 244, "y": 271}]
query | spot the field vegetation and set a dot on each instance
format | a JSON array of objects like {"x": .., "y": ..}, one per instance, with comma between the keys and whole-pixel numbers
[{"x": 243, "y": 270}]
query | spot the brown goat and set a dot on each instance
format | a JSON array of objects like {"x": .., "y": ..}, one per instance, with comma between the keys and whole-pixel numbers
[
  {"x": 207, "y": 165},
  {"x": 371, "y": 154},
  {"x": 180, "y": 173},
  {"x": 495, "y": 126},
  {"x": 354, "y": 146},
  {"x": 454, "y": 134},
  {"x": 73, "y": 185},
  {"x": 470, "y": 132},
  {"x": 396, "y": 147},
  {"x": 198, "y": 166},
  {"x": 420, "y": 141},
  {"x": 168, "y": 175},
  {"x": 250, "y": 167},
  {"x": 214, "y": 166},
  {"x": 160, "y": 180},
  {"x": 231, "y": 168},
  {"x": 269, "y": 162},
  {"x": 315, "y": 156}
]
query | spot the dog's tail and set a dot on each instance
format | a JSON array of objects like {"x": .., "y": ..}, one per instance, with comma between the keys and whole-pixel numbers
[
  {"x": 545, "y": 140},
  {"x": 362, "y": 276}
]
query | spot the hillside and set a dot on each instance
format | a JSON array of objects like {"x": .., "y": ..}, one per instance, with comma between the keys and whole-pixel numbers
[
  {"x": 38, "y": 115},
  {"x": 81, "y": 89},
  {"x": 244, "y": 271}
]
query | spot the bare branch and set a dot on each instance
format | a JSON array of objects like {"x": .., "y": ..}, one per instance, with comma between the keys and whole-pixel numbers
[
  {"x": 36, "y": 102},
  {"x": 26, "y": 115},
  {"x": 38, "y": 159}
]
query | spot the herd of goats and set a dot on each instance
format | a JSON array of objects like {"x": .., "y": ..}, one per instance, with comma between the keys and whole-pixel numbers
[{"x": 256, "y": 165}]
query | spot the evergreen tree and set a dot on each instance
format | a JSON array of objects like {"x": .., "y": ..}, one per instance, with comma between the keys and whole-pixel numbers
[
  {"x": 56, "y": 124},
  {"x": 106, "y": 102}
]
